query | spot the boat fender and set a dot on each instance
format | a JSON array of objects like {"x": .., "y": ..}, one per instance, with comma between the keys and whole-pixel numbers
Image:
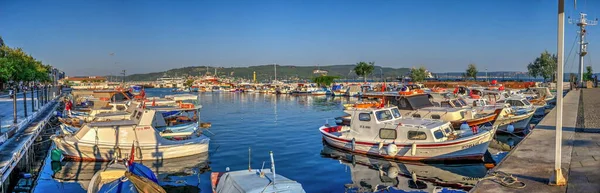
[
  {"x": 510, "y": 128},
  {"x": 353, "y": 144},
  {"x": 392, "y": 149},
  {"x": 380, "y": 147},
  {"x": 138, "y": 151},
  {"x": 464, "y": 126},
  {"x": 413, "y": 149},
  {"x": 393, "y": 172}
]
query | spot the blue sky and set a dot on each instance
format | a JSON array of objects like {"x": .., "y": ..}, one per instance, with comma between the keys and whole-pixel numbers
[{"x": 146, "y": 36}]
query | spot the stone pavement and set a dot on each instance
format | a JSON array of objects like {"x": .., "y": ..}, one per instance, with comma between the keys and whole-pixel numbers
[
  {"x": 532, "y": 160},
  {"x": 585, "y": 163}
]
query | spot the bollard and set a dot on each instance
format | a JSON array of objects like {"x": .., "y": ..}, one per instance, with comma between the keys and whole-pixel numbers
[{"x": 25, "y": 103}]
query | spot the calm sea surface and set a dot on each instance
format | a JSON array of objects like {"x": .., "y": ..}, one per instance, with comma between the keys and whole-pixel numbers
[{"x": 288, "y": 126}]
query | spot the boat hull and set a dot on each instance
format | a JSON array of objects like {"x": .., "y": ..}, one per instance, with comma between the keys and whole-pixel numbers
[
  {"x": 472, "y": 148},
  {"x": 519, "y": 122},
  {"x": 81, "y": 151}
]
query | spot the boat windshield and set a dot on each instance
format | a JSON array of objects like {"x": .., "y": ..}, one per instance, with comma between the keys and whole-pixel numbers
[
  {"x": 396, "y": 113},
  {"x": 526, "y": 102},
  {"x": 383, "y": 115}
]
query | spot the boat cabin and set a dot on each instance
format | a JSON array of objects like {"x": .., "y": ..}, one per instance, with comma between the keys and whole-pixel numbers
[{"x": 387, "y": 124}]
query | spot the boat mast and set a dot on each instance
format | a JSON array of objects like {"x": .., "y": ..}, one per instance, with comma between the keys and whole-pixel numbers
[
  {"x": 272, "y": 166},
  {"x": 582, "y": 23},
  {"x": 275, "y": 65}
]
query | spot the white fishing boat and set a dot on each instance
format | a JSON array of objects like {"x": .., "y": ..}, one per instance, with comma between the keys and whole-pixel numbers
[
  {"x": 383, "y": 132},
  {"x": 182, "y": 97},
  {"x": 253, "y": 181},
  {"x": 106, "y": 140}
]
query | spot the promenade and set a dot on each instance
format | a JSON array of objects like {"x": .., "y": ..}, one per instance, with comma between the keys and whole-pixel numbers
[{"x": 532, "y": 160}]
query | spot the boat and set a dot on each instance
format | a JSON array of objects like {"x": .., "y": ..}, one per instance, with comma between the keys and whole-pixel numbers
[
  {"x": 105, "y": 140},
  {"x": 383, "y": 132},
  {"x": 419, "y": 105},
  {"x": 130, "y": 177},
  {"x": 259, "y": 180},
  {"x": 372, "y": 174}
]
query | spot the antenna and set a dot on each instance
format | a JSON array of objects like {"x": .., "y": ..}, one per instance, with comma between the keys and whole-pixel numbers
[
  {"x": 249, "y": 158},
  {"x": 123, "y": 73},
  {"x": 582, "y": 23},
  {"x": 272, "y": 166}
]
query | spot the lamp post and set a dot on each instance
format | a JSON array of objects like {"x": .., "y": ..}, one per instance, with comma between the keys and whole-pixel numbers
[
  {"x": 486, "y": 75},
  {"x": 557, "y": 177}
]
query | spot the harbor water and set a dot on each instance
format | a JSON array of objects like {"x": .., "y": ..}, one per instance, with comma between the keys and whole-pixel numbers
[{"x": 288, "y": 126}]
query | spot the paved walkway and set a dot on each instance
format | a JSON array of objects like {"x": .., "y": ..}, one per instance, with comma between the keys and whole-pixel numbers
[
  {"x": 532, "y": 161},
  {"x": 585, "y": 162}
]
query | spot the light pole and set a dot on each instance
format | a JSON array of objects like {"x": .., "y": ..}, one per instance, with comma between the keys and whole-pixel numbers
[
  {"x": 557, "y": 177},
  {"x": 486, "y": 75},
  {"x": 381, "y": 70}
]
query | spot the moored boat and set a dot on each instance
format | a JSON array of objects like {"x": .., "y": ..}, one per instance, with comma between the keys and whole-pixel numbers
[
  {"x": 249, "y": 181},
  {"x": 383, "y": 132},
  {"x": 104, "y": 141}
]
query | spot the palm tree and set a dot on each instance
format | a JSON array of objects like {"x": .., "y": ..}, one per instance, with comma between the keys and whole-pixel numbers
[{"x": 364, "y": 69}]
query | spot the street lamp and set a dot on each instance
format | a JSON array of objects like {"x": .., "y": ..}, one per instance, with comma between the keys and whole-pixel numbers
[{"x": 486, "y": 75}]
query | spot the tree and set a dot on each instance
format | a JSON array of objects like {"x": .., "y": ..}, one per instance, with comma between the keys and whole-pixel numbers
[
  {"x": 364, "y": 69},
  {"x": 418, "y": 74},
  {"x": 543, "y": 66},
  {"x": 472, "y": 71},
  {"x": 587, "y": 76},
  {"x": 324, "y": 80},
  {"x": 188, "y": 83}
]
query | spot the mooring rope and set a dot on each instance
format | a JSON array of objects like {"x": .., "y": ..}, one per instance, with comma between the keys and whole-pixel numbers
[{"x": 505, "y": 179}]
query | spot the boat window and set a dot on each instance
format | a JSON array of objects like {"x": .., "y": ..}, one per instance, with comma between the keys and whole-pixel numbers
[
  {"x": 139, "y": 115},
  {"x": 419, "y": 101},
  {"x": 438, "y": 134},
  {"x": 416, "y": 115},
  {"x": 387, "y": 133},
  {"x": 364, "y": 116},
  {"x": 446, "y": 104},
  {"x": 476, "y": 103},
  {"x": 506, "y": 95},
  {"x": 403, "y": 103},
  {"x": 448, "y": 130},
  {"x": 383, "y": 115},
  {"x": 456, "y": 103},
  {"x": 417, "y": 135},
  {"x": 434, "y": 116},
  {"x": 462, "y": 102},
  {"x": 120, "y": 107},
  {"x": 396, "y": 113},
  {"x": 526, "y": 102}
]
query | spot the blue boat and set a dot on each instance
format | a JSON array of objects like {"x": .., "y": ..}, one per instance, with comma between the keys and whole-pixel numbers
[{"x": 120, "y": 178}]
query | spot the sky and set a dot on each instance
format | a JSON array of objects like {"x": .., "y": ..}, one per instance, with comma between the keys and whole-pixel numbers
[{"x": 78, "y": 36}]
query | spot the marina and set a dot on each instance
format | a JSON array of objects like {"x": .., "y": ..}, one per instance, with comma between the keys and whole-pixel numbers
[
  {"x": 267, "y": 118},
  {"x": 282, "y": 97}
]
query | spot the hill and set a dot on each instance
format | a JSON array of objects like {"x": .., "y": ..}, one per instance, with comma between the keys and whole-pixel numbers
[{"x": 266, "y": 72}]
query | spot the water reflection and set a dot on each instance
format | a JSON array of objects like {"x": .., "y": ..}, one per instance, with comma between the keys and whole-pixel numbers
[
  {"x": 175, "y": 175},
  {"x": 370, "y": 174}
]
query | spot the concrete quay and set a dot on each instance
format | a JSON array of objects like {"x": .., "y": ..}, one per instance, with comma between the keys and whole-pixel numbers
[{"x": 532, "y": 160}]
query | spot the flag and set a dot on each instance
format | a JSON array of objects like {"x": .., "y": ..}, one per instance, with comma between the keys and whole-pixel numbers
[{"x": 131, "y": 156}]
